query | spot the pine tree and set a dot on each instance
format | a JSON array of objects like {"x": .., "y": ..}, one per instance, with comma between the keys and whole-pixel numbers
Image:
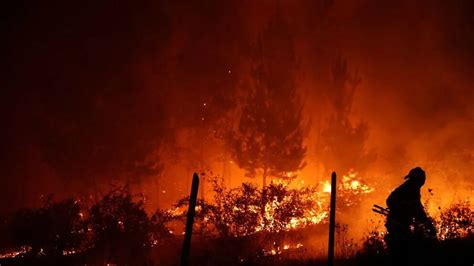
[
  {"x": 343, "y": 143},
  {"x": 269, "y": 137}
]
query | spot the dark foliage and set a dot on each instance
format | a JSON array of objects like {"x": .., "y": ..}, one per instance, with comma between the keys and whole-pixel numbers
[
  {"x": 160, "y": 232},
  {"x": 232, "y": 230},
  {"x": 121, "y": 228},
  {"x": 50, "y": 230}
]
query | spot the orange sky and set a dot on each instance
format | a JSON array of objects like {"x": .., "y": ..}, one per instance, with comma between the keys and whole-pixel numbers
[{"x": 93, "y": 89}]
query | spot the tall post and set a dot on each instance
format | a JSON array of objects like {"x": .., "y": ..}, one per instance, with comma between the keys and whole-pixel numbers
[
  {"x": 332, "y": 220},
  {"x": 189, "y": 221}
]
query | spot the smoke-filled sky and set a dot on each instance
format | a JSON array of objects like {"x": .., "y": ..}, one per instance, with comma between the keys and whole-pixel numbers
[{"x": 100, "y": 90}]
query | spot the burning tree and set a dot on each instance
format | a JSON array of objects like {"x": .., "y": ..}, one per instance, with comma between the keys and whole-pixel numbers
[
  {"x": 342, "y": 143},
  {"x": 269, "y": 137}
]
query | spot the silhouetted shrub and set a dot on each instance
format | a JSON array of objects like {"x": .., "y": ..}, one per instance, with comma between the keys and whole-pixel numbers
[
  {"x": 121, "y": 228},
  {"x": 374, "y": 244},
  {"x": 53, "y": 229},
  {"x": 159, "y": 230}
]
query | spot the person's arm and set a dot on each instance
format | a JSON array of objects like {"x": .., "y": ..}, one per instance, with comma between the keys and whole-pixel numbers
[{"x": 420, "y": 214}]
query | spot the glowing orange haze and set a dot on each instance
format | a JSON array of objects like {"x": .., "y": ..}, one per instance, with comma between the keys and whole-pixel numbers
[{"x": 152, "y": 80}]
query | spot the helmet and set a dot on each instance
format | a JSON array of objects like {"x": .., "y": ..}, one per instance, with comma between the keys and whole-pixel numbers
[{"x": 417, "y": 175}]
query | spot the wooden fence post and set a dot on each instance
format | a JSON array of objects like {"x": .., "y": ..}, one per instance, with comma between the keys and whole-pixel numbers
[
  {"x": 189, "y": 221},
  {"x": 332, "y": 220}
]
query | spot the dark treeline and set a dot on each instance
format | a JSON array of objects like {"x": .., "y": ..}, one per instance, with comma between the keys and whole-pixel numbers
[
  {"x": 230, "y": 229},
  {"x": 115, "y": 229}
]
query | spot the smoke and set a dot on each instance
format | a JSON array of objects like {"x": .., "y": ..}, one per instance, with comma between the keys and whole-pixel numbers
[{"x": 134, "y": 92}]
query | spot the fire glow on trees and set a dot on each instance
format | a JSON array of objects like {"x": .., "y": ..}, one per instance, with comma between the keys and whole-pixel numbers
[
  {"x": 286, "y": 92},
  {"x": 86, "y": 126},
  {"x": 269, "y": 135},
  {"x": 239, "y": 211}
]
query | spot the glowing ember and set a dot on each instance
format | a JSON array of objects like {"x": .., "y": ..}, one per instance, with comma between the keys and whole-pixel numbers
[
  {"x": 277, "y": 249},
  {"x": 456, "y": 222},
  {"x": 15, "y": 253}
]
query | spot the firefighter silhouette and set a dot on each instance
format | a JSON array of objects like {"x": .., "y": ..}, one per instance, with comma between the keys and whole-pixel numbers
[{"x": 410, "y": 230}]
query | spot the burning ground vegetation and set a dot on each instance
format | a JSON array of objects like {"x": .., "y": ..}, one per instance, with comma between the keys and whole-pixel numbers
[{"x": 247, "y": 225}]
